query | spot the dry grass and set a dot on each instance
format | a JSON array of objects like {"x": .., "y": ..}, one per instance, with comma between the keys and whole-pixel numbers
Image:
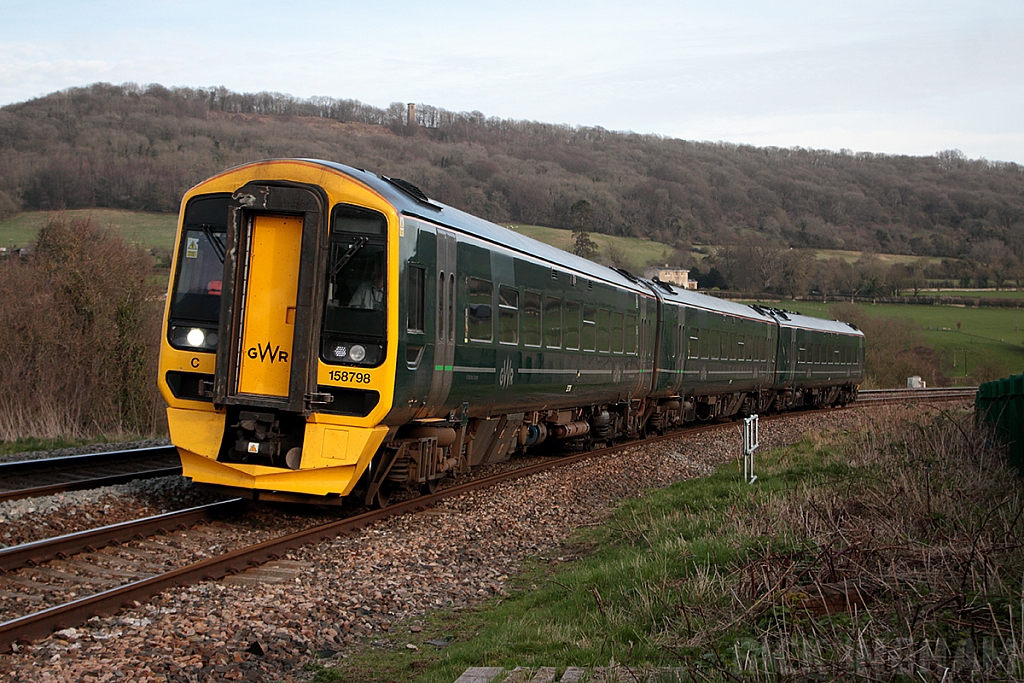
[{"x": 907, "y": 565}]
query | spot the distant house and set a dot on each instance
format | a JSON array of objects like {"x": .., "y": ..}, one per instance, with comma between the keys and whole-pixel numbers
[{"x": 674, "y": 276}]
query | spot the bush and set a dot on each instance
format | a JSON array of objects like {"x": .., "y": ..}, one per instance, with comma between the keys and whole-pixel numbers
[
  {"x": 78, "y": 337},
  {"x": 893, "y": 349}
]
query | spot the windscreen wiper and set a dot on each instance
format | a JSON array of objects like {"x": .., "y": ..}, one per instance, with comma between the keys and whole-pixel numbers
[
  {"x": 215, "y": 241},
  {"x": 343, "y": 261}
]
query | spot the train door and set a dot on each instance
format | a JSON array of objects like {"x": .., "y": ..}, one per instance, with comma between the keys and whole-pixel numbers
[
  {"x": 267, "y": 356},
  {"x": 444, "y": 325},
  {"x": 268, "y": 310},
  {"x": 679, "y": 321}
]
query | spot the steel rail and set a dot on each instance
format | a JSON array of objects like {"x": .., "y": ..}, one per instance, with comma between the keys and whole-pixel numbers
[
  {"x": 43, "y": 623},
  {"x": 70, "y": 464},
  {"x": 903, "y": 395},
  {"x": 36, "y": 552}
]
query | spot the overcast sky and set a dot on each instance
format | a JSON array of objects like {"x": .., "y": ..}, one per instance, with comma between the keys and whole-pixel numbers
[{"x": 893, "y": 76}]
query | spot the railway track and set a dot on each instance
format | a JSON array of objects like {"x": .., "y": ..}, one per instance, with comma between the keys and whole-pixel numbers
[
  {"x": 46, "y": 476},
  {"x": 916, "y": 395},
  {"x": 63, "y": 582},
  {"x": 112, "y": 570}
]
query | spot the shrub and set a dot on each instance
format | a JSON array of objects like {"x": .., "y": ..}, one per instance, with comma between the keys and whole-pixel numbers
[{"x": 78, "y": 333}]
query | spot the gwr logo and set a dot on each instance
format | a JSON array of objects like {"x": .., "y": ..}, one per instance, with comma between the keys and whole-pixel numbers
[
  {"x": 263, "y": 353},
  {"x": 506, "y": 374}
]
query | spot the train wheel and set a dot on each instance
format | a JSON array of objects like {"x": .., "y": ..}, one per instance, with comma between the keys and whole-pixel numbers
[
  {"x": 429, "y": 486},
  {"x": 381, "y": 498}
]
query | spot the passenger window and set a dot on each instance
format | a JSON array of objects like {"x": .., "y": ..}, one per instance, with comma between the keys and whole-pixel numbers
[
  {"x": 479, "y": 316},
  {"x": 617, "y": 332},
  {"x": 508, "y": 315},
  {"x": 604, "y": 330},
  {"x": 552, "y": 322},
  {"x": 571, "y": 325},
  {"x": 704, "y": 343},
  {"x": 417, "y": 312},
  {"x": 589, "y": 328},
  {"x": 733, "y": 347},
  {"x": 630, "y": 331},
  {"x": 715, "y": 348},
  {"x": 693, "y": 349},
  {"x": 531, "y": 318}
]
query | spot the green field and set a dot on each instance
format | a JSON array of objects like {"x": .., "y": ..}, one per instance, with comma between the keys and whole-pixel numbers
[
  {"x": 887, "y": 259},
  {"x": 970, "y": 293},
  {"x": 151, "y": 230},
  {"x": 993, "y": 336}
]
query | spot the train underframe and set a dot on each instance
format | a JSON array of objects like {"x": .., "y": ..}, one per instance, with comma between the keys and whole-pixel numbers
[{"x": 422, "y": 454}]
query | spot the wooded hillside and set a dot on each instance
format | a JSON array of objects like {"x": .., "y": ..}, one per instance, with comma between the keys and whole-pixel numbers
[{"x": 140, "y": 148}]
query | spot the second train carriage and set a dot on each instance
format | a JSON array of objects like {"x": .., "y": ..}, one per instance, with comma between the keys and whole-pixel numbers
[{"x": 328, "y": 329}]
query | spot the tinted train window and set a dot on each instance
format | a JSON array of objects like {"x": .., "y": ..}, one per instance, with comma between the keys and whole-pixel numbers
[
  {"x": 197, "y": 287},
  {"x": 571, "y": 325},
  {"x": 589, "y": 328},
  {"x": 479, "y": 318},
  {"x": 531, "y": 318},
  {"x": 417, "y": 281},
  {"x": 604, "y": 330},
  {"x": 508, "y": 315},
  {"x": 552, "y": 322},
  {"x": 630, "y": 341},
  {"x": 693, "y": 348},
  {"x": 356, "y": 293},
  {"x": 617, "y": 332}
]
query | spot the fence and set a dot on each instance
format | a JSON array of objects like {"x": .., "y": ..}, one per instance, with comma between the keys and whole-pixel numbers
[{"x": 1001, "y": 404}]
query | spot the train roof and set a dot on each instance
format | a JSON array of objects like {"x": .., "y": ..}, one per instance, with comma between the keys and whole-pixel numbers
[
  {"x": 411, "y": 201},
  {"x": 806, "y": 322},
  {"x": 688, "y": 297}
]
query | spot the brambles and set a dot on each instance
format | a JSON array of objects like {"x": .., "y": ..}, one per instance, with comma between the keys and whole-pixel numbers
[{"x": 78, "y": 334}]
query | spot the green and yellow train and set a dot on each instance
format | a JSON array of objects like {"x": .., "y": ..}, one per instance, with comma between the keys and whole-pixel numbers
[{"x": 330, "y": 332}]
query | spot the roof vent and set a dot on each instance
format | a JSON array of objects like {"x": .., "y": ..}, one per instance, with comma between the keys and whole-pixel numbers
[
  {"x": 664, "y": 285},
  {"x": 410, "y": 189}
]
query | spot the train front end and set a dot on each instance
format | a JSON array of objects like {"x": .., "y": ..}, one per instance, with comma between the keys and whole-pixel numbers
[{"x": 277, "y": 359}]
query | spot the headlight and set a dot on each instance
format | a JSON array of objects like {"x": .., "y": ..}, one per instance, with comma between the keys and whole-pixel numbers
[
  {"x": 196, "y": 337},
  {"x": 351, "y": 353},
  {"x": 199, "y": 338}
]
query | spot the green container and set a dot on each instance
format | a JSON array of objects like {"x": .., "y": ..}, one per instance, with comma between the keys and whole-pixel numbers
[{"x": 1001, "y": 404}]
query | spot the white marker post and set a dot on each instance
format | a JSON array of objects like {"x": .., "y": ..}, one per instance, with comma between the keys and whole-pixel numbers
[{"x": 750, "y": 444}]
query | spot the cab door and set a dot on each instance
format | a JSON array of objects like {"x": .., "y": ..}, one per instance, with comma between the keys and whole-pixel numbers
[
  {"x": 268, "y": 311},
  {"x": 269, "y": 322}
]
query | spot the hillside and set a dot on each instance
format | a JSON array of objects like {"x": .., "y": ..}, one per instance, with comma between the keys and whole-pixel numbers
[{"x": 140, "y": 148}]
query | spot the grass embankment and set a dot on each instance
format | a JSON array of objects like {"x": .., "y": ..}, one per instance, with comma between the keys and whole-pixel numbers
[
  {"x": 893, "y": 554},
  {"x": 148, "y": 230},
  {"x": 632, "y": 253}
]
